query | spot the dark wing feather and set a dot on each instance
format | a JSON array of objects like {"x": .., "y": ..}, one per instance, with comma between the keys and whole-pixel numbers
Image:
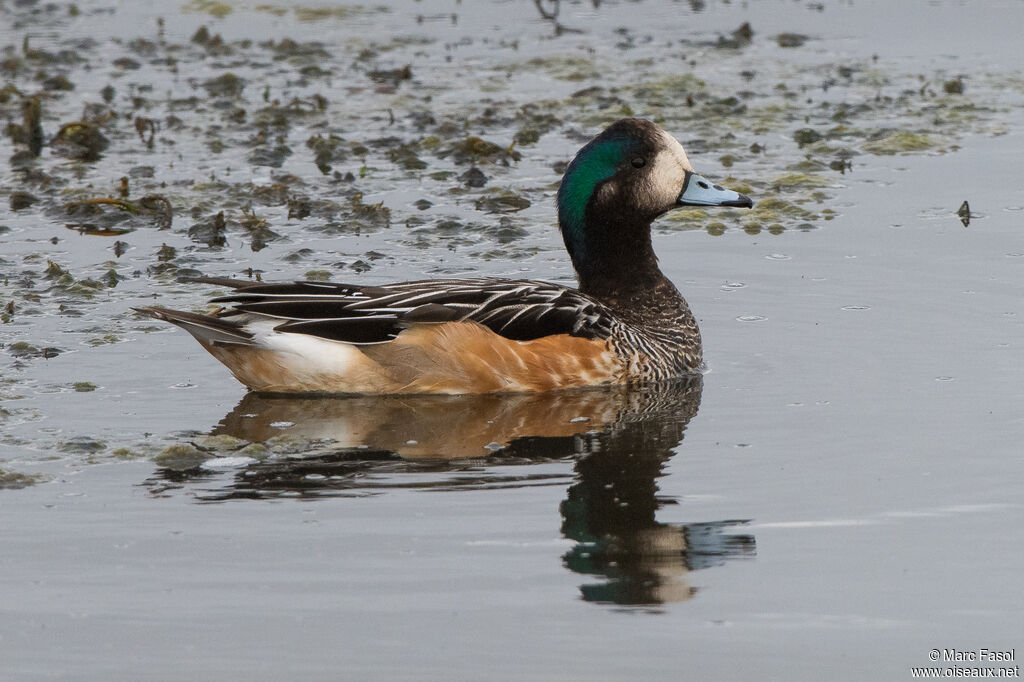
[
  {"x": 300, "y": 309},
  {"x": 517, "y": 309},
  {"x": 351, "y": 330}
]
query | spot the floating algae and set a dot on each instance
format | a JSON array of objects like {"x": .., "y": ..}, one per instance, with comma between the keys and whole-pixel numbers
[
  {"x": 502, "y": 201},
  {"x": 81, "y": 445},
  {"x": 476, "y": 150},
  {"x": 89, "y": 217},
  {"x": 899, "y": 142},
  {"x": 211, "y": 7},
  {"x": 181, "y": 457},
  {"x": 798, "y": 181},
  {"x": 79, "y": 140},
  {"x": 13, "y": 480}
]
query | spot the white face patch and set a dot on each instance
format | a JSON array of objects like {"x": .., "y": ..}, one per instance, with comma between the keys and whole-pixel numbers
[
  {"x": 667, "y": 174},
  {"x": 677, "y": 151}
]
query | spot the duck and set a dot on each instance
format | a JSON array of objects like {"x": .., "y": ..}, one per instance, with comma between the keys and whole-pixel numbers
[{"x": 625, "y": 323}]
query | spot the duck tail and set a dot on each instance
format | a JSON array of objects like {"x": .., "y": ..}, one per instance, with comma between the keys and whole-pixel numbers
[{"x": 207, "y": 329}]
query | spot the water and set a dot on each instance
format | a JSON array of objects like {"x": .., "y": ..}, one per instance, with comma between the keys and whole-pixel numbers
[{"x": 837, "y": 496}]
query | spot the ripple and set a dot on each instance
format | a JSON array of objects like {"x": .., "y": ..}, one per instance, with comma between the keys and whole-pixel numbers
[
  {"x": 751, "y": 318},
  {"x": 856, "y": 307},
  {"x": 944, "y": 378},
  {"x": 778, "y": 256}
]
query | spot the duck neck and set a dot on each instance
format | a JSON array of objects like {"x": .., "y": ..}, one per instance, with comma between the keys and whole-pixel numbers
[{"x": 616, "y": 265}]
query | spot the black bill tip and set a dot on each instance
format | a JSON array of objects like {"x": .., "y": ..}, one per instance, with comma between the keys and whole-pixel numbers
[{"x": 742, "y": 201}]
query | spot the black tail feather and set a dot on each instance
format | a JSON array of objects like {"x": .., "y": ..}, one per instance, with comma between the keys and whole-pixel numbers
[{"x": 206, "y": 328}]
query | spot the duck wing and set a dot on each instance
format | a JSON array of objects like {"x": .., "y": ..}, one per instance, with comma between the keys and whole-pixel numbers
[{"x": 520, "y": 310}]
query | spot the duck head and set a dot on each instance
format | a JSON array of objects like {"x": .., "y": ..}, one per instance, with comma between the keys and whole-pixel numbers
[{"x": 617, "y": 184}]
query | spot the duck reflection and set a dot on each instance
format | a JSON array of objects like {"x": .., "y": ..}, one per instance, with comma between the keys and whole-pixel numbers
[
  {"x": 610, "y": 510},
  {"x": 619, "y": 442}
]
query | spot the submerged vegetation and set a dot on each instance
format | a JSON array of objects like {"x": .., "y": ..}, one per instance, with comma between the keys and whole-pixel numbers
[{"x": 365, "y": 137}]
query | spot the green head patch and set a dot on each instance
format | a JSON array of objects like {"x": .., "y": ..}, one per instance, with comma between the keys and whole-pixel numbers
[{"x": 596, "y": 162}]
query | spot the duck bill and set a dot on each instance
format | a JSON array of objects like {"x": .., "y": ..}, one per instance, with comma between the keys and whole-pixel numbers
[{"x": 697, "y": 191}]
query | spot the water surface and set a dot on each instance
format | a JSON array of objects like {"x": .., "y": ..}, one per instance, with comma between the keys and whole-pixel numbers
[{"x": 837, "y": 495}]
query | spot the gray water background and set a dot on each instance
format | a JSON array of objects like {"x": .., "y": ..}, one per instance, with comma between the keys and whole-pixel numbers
[{"x": 855, "y": 460}]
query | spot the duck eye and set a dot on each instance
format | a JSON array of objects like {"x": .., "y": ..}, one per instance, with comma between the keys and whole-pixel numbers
[{"x": 639, "y": 162}]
